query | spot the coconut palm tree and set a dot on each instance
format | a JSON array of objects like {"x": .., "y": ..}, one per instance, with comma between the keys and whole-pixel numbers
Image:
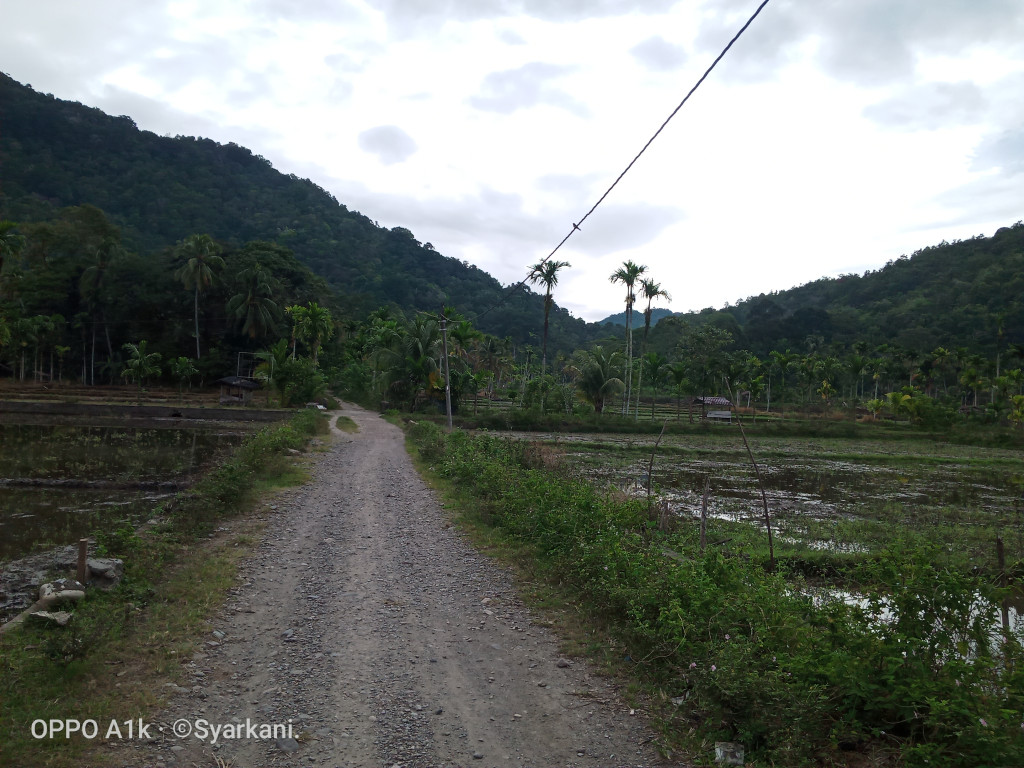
[
  {"x": 408, "y": 360},
  {"x": 650, "y": 291},
  {"x": 897, "y": 402},
  {"x": 272, "y": 361},
  {"x": 657, "y": 367},
  {"x": 597, "y": 380},
  {"x": 254, "y": 307},
  {"x": 546, "y": 273},
  {"x": 297, "y": 313},
  {"x": 183, "y": 370},
  {"x": 141, "y": 364},
  {"x": 199, "y": 253},
  {"x": 679, "y": 373},
  {"x": 628, "y": 274},
  {"x": 314, "y": 326}
]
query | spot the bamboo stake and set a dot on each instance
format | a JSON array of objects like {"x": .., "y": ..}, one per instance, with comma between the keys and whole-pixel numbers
[
  {"x": 704, "y": 514},
  {"x": 83, "y": 565},
  {"x": 760, "y": 485},
  {"x": 1005, "y": 607},
  {"x": 650, "y": 467}
]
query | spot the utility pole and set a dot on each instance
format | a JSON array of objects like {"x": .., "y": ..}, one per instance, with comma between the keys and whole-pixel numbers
[{"x": 447, "y": 376}]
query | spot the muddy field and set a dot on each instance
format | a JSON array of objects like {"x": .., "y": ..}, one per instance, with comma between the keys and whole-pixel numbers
[
  {"x": 60, "y": 483},
  {"x": 839, "y": 494}
]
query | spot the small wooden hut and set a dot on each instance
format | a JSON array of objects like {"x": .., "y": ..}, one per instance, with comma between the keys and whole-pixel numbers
[
  {"x": 713, "y": 408},
  {"x": 235, "y": 390}
]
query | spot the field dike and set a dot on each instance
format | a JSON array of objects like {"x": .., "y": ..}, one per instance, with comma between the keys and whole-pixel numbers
[
  {"x": 106, "y": 664},
  {"x": 911, "y": 674}
]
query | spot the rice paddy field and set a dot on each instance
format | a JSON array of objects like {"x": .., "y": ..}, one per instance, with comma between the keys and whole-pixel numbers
[
  {"x": 827, "y": 495},
  {"x": 60, "y": 483}
]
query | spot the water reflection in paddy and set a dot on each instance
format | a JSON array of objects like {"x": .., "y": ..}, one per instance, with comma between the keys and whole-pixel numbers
[
  {"x": 59, "y": 483},
  {"x": 804, "y": 478}
]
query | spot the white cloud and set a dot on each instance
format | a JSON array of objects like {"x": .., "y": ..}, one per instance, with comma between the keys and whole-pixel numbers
[
  {"x": 930, "y": 106},
  {"x": 389, "y": 143},
  {"x": 524, "y": 87},
  {"x": 659, "y": 54}
]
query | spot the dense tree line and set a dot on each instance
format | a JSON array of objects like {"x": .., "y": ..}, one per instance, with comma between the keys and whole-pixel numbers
[
  {"x": 202, "y": 250},
  {"x": 77, "y": 304}
]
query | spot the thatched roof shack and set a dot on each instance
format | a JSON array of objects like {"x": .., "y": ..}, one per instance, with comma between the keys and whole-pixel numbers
[
  {"x": 714, "y": 407},
  {"x": 234, "y": 390}
]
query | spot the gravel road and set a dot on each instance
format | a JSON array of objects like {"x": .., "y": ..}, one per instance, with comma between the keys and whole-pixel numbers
[{"x": 367, "y": 621}]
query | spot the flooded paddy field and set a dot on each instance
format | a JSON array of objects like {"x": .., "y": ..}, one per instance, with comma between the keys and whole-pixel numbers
[
  {"x": 843, "y": 495},
  {"x": 59, "y": 483}
]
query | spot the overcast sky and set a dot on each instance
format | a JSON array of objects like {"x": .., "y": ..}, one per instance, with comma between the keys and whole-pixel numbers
[{"x": 833, "y": 137}]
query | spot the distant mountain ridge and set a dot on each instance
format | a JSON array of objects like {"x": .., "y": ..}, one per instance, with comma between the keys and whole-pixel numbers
[
  {"x": 158, "y": 190},
  {"x": 657, "y": 313},
  {"x": 968, "y": 293}
]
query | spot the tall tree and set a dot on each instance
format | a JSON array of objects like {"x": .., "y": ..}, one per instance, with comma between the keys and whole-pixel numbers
[
  {"x": 650, "y": 291},
  {"x": 657, "y": 367},
  {"x": 201, "y": 257},
  {"x": 91, "y": 285},
  {"x": 628, "y": 274},
  {"x": 597, "y": 380},
  {"x": 315, "y": 326},
  {"x": 141, "y": 363},
  {"x": 546, "y": 273},
  {"x": 253, "y": 306},
  {"x": 297, "y": 313},
  {"x": 183, "y": 370},
  {"x": 408, "y": 360},
  {"x": 680, "y": 373}
]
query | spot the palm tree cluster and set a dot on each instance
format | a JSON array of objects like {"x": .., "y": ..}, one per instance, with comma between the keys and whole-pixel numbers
[
  {"x": 235, "y": 303},
  {"x": 628, "y": 274}
]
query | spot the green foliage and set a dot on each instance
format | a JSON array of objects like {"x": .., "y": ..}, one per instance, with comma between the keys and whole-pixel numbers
[
  {"x": 117, "y": 542},
  {"x": 597, "y": 381},
  {"x": 312, "y": 325},
  {"x": 199, "y": 253},
  {"x": 183, "y": 370},
  {"x": 790, "y": 672},
  {"x": 227, "y": 487},
  {"x": 299, "y": 381},
  {"x": 253, "y": 306},
  {"x": 141, "y": 362}
]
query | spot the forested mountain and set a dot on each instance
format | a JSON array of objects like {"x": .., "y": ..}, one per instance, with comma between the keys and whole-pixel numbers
[
  {"x": 619, "y": 318},
  {"x": 968, "y": 293},
  {"x": 159, "y": 190}
]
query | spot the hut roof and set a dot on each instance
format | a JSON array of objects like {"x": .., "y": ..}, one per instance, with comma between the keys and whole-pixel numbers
[
  {"x": 238, "y": 381},
  {"x": 715, "y": 401}
]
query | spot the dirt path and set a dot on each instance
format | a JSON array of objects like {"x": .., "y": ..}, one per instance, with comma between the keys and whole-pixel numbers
[{"x": 367, "y": 621}]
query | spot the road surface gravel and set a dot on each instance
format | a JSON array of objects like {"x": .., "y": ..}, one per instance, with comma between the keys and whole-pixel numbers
[{"x": 367, "y": 622}]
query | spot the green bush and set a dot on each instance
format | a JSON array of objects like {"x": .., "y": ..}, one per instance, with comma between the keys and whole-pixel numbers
[{"x": 756, "y": 657}]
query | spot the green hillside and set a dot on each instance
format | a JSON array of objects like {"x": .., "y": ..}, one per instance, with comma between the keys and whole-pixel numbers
[
  {"x": 967, "y": 293},
  {"x": 619, "y": 318},
  {"x": 159, "y": 190}
]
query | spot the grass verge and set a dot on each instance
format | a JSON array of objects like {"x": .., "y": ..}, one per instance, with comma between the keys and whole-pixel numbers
[
  {"x": 911, "y": 673},
  {"x": 111, "y": 661},
  {"x": 345, "y": 424}
]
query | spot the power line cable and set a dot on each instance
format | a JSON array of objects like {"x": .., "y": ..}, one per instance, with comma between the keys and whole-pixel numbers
[{"x": 576, "y": 225}]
